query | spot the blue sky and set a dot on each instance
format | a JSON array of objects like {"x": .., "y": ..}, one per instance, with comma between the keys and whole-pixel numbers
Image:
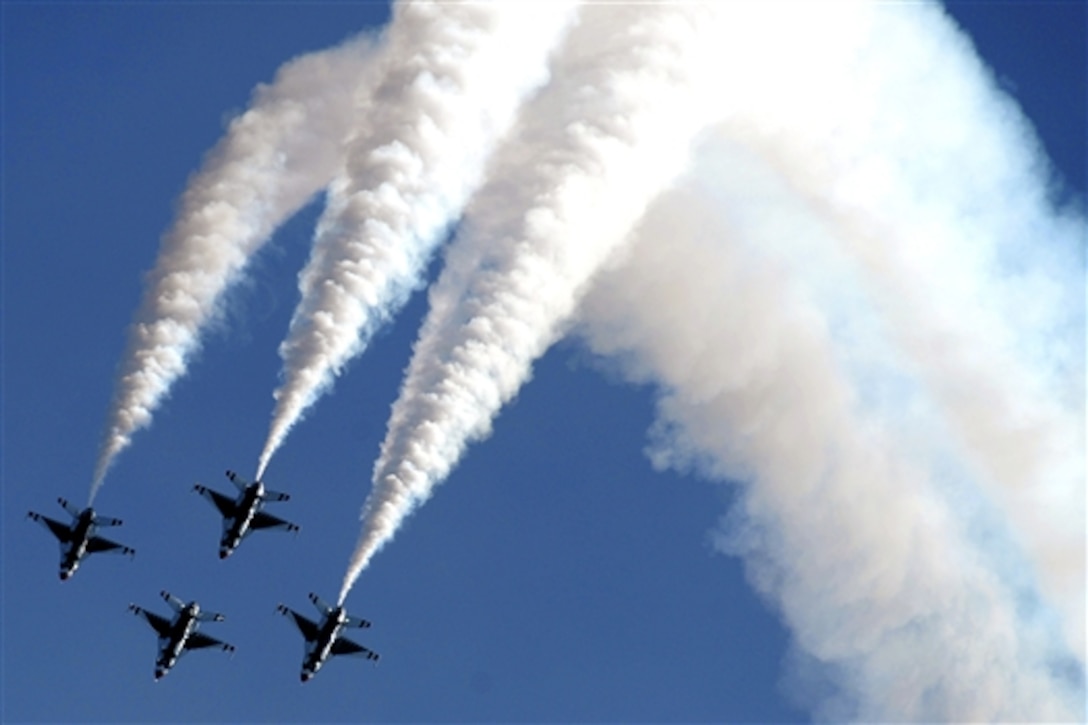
[{"x": 556, "y": 576}]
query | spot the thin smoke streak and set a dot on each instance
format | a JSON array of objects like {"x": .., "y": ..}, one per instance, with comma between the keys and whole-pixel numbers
[
  {"x": 274, "y": 157},
  {"x": 454, "y": 78},
  {"x": 626, "y": 97}
]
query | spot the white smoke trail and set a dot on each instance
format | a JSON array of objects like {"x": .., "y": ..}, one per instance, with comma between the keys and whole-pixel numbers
[
  {"x": 273, "y": 158},
  {"x": 827, "y": 338},
  {"x": 612, "y": 128},
  {"x": 880, "y": 325},
  {"x": 456, "y": 74},
  {"x": 944, "y": 219},
  {"x": 841, "y": 521}
]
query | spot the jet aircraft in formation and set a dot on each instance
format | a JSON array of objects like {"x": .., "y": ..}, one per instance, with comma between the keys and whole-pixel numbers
[
  {"x": 243, "y": 515},
  {"x": 179, "y": 635},
  {"x": 78, "y": 538},
  {"x": 323, "y": 638}
]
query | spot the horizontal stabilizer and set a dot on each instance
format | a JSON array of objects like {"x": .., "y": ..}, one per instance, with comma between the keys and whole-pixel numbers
[
  {"x": 320, "y": 603},
  {"x": 176, "y": 604},
  {"x": 72, "y": 510},
  {"x": 357, "y": 622},
  {"x": 237, "y": 480}
]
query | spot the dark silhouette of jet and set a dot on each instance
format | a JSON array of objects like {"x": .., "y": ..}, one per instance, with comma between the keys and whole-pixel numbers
[
  {"x": 179, "y": 635},
  {"x": 78, "y": 538},
  {"x": 323, "y": 638},
  {"x": 243, "y": 515}
]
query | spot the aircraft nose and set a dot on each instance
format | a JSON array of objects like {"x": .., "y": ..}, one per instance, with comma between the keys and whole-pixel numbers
[
  {"x": 159, "y": 673},
  {"x": 64, "y": 575},
  {"x": 306, "y": 676},
  {"x": 224, "y": 553}
]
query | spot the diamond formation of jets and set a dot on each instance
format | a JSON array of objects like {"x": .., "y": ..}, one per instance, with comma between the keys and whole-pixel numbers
[
  {"x": 78, "y": 538},
  {"x": 323, "y": 638},
  {"x": 243, "y": 515},
  {"x": 178, "y": 635}
]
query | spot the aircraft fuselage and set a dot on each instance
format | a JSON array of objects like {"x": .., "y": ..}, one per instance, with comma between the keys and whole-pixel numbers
[
  {"x": 237, "y": 526},
  {"x": 82, "y": 530},
  {"x": 184, "y": 625},
  {"x": 319, "y": 649}
]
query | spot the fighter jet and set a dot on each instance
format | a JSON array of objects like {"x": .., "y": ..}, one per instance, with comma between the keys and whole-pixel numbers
[
  {"x": 78, "y": 539},
  {"x": 178, "y": 636},
  {"x": 323, "y": 638},
  {"x": 243, "y": 514}
]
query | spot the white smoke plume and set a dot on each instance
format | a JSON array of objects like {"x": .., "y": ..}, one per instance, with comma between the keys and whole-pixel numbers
[
  {"x": 455, "y": 75},
  {"x": 274, "y": 157},
  {"x": 864, "y": 309},
  {"x": 611, "y": 129},
  {"x": 944, "y": 221},
  {"x": 842, "y": 520},
  {"x": 858, "y": 304}
]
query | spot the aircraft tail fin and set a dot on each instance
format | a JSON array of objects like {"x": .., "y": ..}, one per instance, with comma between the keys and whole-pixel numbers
[{"x": 275, "y": 496}]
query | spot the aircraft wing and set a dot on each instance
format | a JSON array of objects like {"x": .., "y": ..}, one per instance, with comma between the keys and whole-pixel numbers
[
  {"x": 159, "y": 624},
  {"x": 224, "y": 504},
  {"x": 198, "y": 640},
  {"x": 307, "y": 627},
  {"x": 61, "y": 531},
  {"x": 97, "y": 544},
  {"x": 261, "y": 520},
  {"x": 344, "y": 646}
]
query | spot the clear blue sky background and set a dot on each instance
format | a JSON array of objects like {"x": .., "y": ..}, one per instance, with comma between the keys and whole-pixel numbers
[{"x": 554, "y": 577}]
